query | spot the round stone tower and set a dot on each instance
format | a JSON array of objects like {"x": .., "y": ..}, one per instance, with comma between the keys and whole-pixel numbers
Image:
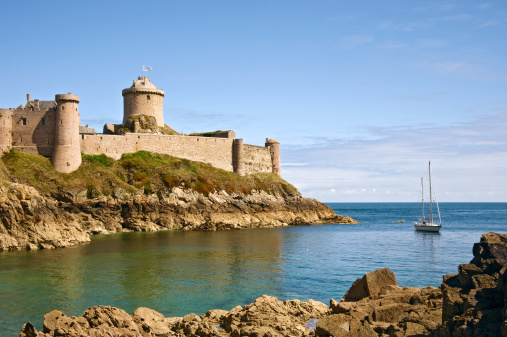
[
  {"x": 274, "y": 148},
  {"x": 143, "y": 98},
  {"x": 237, "y": 157},
  {"x": 5, "y": 130},
  {"x": 67, "y": 152}
]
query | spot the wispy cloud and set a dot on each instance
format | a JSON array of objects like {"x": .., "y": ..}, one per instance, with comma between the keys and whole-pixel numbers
[
  {"x": 470, "y": 160},
  {"x": 459, "y": 67}
]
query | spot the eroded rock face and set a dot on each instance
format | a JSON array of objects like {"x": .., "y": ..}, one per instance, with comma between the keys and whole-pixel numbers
[
  {"x": 32, "y": 221},
  {"x": 377, "y": 306},
  {"x": 475, "y": 298}
]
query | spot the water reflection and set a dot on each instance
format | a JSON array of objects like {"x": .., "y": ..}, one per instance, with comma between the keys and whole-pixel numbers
[{"x": 181, "y": 272}]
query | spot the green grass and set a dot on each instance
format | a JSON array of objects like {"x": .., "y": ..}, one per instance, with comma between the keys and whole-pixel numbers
[
  {"x": 156, "y": 173},
  {"x": 206, "y": 134}
]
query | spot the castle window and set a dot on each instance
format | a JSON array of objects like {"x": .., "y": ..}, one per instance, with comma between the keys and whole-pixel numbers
[
  {"x": 43, "y": 121},
  {"x": 23, "y": 121},
  {"x": 61, "y": 122},
  {"x": 148, "y": 97},
  {"x": 63, "y": 107},
  {"x": 48, "y": 142}
]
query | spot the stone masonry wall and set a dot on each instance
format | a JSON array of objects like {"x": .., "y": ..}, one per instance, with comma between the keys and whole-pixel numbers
[
  {"x": 256, "y": 159},
  {"x": 37, "y": 136},
  {"x": 5, "y": 129},
  {"x": 140, "y": 103},
  {"x": 214, "y": 151}
]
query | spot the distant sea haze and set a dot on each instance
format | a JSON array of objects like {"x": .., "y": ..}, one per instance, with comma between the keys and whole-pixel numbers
[{"x": 177, "y": 272}]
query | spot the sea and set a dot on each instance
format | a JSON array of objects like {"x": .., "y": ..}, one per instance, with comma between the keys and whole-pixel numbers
[{"x": 180, "y": 272}]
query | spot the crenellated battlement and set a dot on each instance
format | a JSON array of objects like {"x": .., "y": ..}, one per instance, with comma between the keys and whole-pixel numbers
[{"x": 67, "y": 98}]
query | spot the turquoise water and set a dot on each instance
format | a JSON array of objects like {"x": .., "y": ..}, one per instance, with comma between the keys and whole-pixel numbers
[{"x": 177, "y": 273}]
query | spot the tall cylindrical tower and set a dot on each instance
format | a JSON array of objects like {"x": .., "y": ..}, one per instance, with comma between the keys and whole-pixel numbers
[
  {"x": 237, "y": 157},
  {"x": 143, "y": 98},
  {"x": 67, "y": 152},
  {"x": 274, "y": 148},
  {"x": 5, "y": 130}
]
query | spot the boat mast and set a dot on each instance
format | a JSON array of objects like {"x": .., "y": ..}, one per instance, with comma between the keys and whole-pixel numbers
[
  {"x": 431, "y": 199},
  {"x": 422, "y": 196}
]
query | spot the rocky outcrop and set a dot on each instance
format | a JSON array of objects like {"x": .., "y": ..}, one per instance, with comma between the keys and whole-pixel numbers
[
  {"x": 267, "y": 316},
  {"x": 376, "y": 306},
  {"x": 32, "y": 221},
  {"x": 390, "y": 311},
  {"x": 475, "y": 299}
]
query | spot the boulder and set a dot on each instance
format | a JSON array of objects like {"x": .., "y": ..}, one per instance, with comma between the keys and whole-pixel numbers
[
  {"x": 28, "y": 330},
  {"x": 371, "y": 285},
  {"x": 343, "y": 325},
  {"x": 105, "y": 320},
  {"x": 59, "y": 323},
  {"x": 151, "y": 322},
  {"x": 268, "y": 316},
  {"x": 378, "y": 305}
]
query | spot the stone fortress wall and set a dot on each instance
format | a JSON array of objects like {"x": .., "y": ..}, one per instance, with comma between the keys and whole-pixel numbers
[
  {"x": 214, "y": 151},
  {"x": 52, "y": 129}
]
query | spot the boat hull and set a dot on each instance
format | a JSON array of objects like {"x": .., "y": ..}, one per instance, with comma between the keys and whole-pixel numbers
[{"x": 427, "y": 228}]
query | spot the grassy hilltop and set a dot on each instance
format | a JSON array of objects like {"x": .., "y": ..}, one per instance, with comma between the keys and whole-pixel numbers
[{"x": 156, "y": 173}]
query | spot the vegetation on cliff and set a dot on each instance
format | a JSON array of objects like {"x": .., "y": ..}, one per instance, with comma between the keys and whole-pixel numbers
[{"x": 155, "y": 173}]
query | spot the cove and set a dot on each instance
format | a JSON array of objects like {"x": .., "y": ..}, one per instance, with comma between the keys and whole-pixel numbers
[{"x": 176, "y": 272}]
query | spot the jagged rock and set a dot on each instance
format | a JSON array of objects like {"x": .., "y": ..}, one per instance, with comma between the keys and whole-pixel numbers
[
  {"x": 268, "y": 316},
  {"x": 151, "y": 322},
  {"x": 371, "y": 284},
  {"x": 475, "y": 300},
  {"x": 57, "y": 323},
  {"x": 389, "y": 310},
  {"x": 31, "y": 221},
  {"x": 343, "y": 325},
  {"x": 28, "y": 330}
]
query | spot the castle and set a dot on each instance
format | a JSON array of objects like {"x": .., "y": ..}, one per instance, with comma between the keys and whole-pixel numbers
[{"x": 53, "y": 129}]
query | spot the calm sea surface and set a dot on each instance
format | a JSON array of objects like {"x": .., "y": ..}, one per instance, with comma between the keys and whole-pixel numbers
[{"x": 177, "y": 273}]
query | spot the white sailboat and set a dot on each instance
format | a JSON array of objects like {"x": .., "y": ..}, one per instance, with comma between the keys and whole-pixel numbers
[{"x": 428, "y": 225}]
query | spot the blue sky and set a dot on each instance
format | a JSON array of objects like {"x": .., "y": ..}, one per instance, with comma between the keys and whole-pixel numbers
[{"x": 361, "y": 95}]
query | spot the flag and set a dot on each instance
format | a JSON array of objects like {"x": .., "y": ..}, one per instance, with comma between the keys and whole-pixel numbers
[{"x": 147, "y": 68}]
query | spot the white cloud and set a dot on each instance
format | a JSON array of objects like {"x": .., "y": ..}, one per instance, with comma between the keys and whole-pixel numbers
[{"x": 469, "y": 162}]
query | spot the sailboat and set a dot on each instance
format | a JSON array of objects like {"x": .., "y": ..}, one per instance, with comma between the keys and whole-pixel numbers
[{"x": 428, "y": 225}]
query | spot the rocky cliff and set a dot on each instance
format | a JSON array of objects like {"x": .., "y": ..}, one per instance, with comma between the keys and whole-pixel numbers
[
  {"x": 30, "y": 220},
  {"x": 475, "y": 299},
  {"x": 470, "y": 303}
]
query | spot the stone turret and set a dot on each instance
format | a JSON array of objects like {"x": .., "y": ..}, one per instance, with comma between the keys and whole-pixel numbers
[
  {"x": 143, "y": 98},
  {"x": 274, "y": 148},
  {"x": 5, "y": 130},
  {"x": 237, "y": 157},
  {"x": 67, "y": 152}
]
